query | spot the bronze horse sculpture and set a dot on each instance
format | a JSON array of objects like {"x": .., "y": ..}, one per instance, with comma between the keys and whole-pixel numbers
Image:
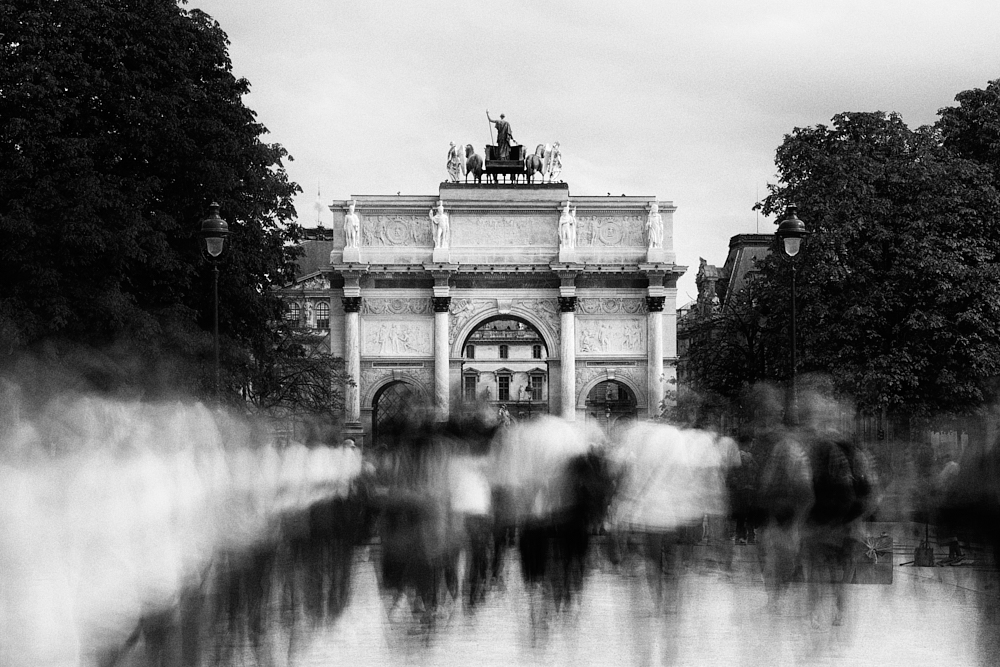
[
  {"x": 473, "y": 165},
  {"x": 534, "y": 163}
]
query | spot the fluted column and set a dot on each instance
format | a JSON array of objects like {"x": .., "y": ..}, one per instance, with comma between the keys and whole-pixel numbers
[
  {"x": 441, "y": 356},
  {"x": 352, "y": 358},
  {"x": 654, "y": 354},
  {"x": 567, "y": 344}
]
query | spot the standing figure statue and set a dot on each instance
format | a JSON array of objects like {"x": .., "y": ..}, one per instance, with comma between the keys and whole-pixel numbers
[
  {"x": 654, "y": 227},
  {"x": 456, "y": 163},
  {"x": 553, "y": 162},
  {"x": 567, "y": 227},
  {"x": 441, "y": 226},
  {"x": 352, "y": 227},
  {"x": 504, "y": 137}
]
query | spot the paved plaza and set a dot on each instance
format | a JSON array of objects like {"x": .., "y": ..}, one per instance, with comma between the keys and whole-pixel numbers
[{"x": 927, "y": 616}]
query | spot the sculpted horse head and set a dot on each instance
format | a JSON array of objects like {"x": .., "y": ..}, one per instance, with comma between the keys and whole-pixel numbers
[{"x": 473, "y": 164}]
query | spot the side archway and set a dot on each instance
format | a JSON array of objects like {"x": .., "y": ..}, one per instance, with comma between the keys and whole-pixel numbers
[
  {"x": 392, "y": 404},
  {"x": 639, "y": 395}
]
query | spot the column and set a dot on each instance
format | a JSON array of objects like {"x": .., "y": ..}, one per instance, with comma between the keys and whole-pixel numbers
[
  {"x": 352, "y": 358},
  {"x": 442, "y": 305},
  {"x": 654, "y": 354},
  {"x": 567, "y": 344}
]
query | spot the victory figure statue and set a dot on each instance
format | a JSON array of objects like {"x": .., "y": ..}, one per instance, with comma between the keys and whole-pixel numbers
[
  {"x": 456, "y": 162},
  {"x": 441, "y": 226},
  {"x": 504, "y": 137}
]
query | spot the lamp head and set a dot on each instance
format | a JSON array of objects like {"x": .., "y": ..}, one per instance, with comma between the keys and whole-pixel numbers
[
  {"x": 214, "y": 231},
  {"x": 791, "y": 231}
]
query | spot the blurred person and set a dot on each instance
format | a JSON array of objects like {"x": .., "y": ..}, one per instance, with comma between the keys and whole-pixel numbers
[{"x": 844, "y": 495}]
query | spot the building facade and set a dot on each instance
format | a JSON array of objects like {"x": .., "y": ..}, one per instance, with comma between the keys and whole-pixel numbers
[{"x": 521, "y": 294}]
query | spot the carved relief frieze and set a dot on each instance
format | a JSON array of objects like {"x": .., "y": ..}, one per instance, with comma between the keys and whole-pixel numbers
[
  {"x": 546, "y": 309},
  {"x": 602, "y": 231},
  {"x": 316, "y": 282},
  {"x": 462, "y": 310},
  {"x": 382, "y": 338},
  {"x": 396, "y": 230},
  {"x": 397, "y": 306},
  {"x": 585, "y": 376},
  {"x": 611, "y": 336},
  {"x": 611, "y": 306},
  {"x": 492, "y": 230}
]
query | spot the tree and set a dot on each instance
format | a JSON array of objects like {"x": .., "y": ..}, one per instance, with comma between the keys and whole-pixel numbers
[
  {"x": 898, "y": 286},
  {"x": 972, "y": 129},
  {"x": 300, "y": 382},
  {"x": 729, "y": 349},
  {"x": 120, "y": 121}
]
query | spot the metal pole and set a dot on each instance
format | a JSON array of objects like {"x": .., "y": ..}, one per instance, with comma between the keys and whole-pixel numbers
[
  {"x": 215, "y": 291},
  {"x": 793, "y": 407}
]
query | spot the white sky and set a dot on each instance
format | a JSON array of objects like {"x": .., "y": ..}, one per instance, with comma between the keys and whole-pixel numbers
[{"x": 686, "y": 100}]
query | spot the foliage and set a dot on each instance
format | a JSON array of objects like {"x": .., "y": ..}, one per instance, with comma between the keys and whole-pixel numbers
[
  {"x": 301, "y": 381},
  {"x": 728, "y": 350},
  {"x": 119, "y": 123},
  {"x": 897, "y": 287}
]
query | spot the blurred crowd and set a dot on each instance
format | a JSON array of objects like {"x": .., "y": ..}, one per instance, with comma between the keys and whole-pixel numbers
[{"x": 189, "y": 532}]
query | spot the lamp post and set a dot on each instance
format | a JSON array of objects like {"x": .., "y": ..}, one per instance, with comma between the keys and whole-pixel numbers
[
  {"x": 214, "y": 231},
  {"x": 792, "y": 231}
]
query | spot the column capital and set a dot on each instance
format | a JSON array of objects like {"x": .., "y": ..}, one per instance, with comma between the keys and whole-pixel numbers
[
  {"x": 441, "y": 304},
  {"x": 654, "y": 304},
  {"x": 567, "y": 304},
  {"x": 352, "y": 304}
]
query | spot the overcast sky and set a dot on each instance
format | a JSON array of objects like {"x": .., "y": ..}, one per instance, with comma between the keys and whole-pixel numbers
[{"x": 684, "y": 100}]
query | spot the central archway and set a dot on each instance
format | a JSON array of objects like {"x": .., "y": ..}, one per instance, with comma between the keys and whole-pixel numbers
[{"x": 505, "y": 362}]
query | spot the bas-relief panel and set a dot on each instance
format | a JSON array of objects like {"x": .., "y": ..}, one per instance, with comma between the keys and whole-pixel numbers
[
  {"x": 611, "y": 305},
  {"x": 395, "y": 338},
  {"x": 395, "y": 306},
  {"x": 611, "y": 336},
  {"x": 396, "y": 230},
  {"x": 595, "y": 231},
  {"x": 489, "y": 230}
]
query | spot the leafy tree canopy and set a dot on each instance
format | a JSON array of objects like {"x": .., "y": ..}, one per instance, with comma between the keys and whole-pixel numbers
[
  {"x": 898, "y": 285},
  {"x": 120, "y": 121}
]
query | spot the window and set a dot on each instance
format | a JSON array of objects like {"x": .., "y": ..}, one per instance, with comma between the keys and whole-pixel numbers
[
  {"x": 469, "y": 387},
  {"x": 470, "y": 351},
  {"x": 504, "y": 351},
  {"x": 536, "y": 351},
  {"x": 503, "y": 387},
  {"x": 322, "y": 315},
  {"x": 536, "y": 387},
  {"x": 294, "y": 313}
]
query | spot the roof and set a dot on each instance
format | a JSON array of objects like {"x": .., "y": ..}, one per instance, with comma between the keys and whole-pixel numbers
[
  {"x": 316, "y": 256},
  {"x": 745, "y": 250}
]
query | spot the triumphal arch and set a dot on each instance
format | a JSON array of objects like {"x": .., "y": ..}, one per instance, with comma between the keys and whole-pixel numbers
[{"x": 524, "y": 295}]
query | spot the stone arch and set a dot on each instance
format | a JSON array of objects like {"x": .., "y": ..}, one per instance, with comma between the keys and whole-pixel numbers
[
  {"x": 415, "y": 383},
  {"x": 550, "y": 337},
  {"x": 641, "y": 398}
]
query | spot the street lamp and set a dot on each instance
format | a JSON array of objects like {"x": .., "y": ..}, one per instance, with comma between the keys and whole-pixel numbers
[
  {"x": 214, "y": 231},
  {"x": 792, "y": 231}
]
